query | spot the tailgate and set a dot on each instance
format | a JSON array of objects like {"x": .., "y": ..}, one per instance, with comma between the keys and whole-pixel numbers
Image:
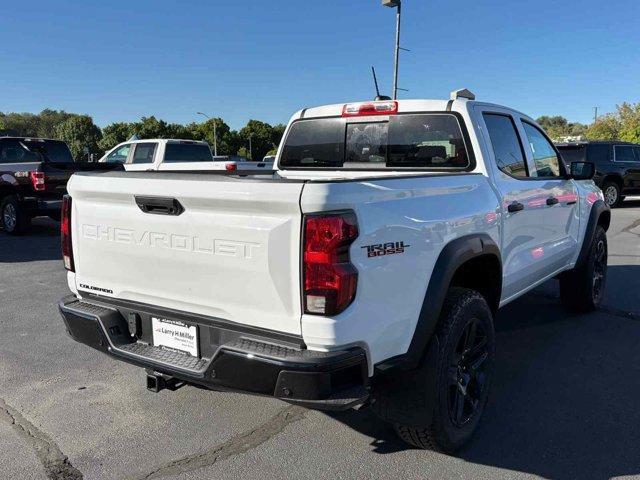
[{"x": 233, "y": 253}]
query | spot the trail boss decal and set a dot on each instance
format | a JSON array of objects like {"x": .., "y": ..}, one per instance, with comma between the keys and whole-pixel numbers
[{"x": 381, "y": 249}]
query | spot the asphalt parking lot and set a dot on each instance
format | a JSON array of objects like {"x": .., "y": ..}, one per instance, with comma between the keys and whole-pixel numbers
[{"x": 564, "y": 403}]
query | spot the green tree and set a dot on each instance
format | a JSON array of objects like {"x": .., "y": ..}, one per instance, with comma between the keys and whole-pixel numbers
[
  {"x": 21, "y": 124},
  {"x": 558, "y": 127},
  {"x": 204, "y": 131},
  {"x": 114, "y": 134},
  {"x": 629, "y": 115},
  {"x": 262, "y": 136},
  {"x": 49, "y": 119},
  {"x": 607, "y": 127},
  {"x": 79, "y": 132}
]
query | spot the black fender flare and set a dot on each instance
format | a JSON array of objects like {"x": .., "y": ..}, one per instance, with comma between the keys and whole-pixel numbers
[
  {"x": 598, "y": 209},
  {"x": 404, "y": 388},
  {"x": 452, "y": 256}
]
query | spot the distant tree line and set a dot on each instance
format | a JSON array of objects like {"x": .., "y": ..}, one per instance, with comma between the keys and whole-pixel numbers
[
  {"x": 81, "y": 133},
  {"x": 623, "y": 124}
]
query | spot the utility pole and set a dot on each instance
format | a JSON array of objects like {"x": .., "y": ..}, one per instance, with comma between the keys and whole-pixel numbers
[
  {"x": 397, "y": 4},
  {"x": 250, "y": 149},
  {"x": 595, "y": 114},
  {"x": 215, "y": 134}
]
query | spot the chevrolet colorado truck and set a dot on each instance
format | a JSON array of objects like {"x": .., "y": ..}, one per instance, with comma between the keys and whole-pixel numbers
[
  {"x": 33, "y": 179},
  {"x": 366, "y": 271}
]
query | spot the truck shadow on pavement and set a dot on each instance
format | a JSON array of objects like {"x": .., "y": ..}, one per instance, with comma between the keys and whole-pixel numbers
[
  {"x": 40, "y": 242},
  {"x": 564, "y": 401}
]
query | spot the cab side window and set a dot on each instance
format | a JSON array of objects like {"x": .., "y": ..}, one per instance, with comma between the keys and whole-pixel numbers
[
  {"x": 506, "y": 145},
  {"x": 143, "y": 153},
  {"x": 545, "y": 157},
  {"x": 119, "y": 155}
]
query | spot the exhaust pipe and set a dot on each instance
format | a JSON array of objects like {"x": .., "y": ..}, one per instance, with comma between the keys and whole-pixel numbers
[{"x": 156, "y": 382}]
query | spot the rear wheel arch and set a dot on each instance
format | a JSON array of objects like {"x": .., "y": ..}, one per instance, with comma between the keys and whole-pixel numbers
[
  {"x": 473, "y": 262},
  {"x": 613, "y": 178}
]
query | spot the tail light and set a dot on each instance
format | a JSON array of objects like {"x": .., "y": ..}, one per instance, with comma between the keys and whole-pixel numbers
[
  {"x": 65, "y": 233},
  {"x": 370, "y": 108},
  {"x": 330, "y": 279},
  {"x": 231, "y": 167},
  {"x": 37, "y": 180}
]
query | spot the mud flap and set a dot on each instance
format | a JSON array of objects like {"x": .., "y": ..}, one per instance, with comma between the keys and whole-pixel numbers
[{"x": 409, "y": 397}]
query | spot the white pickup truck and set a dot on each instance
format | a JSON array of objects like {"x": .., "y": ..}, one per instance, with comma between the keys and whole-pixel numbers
[
  {"x": 365, "y": 271},
  {"x": 173, "y": 155}
]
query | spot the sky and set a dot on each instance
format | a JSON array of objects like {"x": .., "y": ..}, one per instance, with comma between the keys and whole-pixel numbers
[{"x": 121, "y": 60}]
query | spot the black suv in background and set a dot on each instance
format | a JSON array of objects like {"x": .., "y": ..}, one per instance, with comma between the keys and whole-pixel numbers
[
  {"x": 33, "y": 178},
  {"x": 617, "y": 166}
]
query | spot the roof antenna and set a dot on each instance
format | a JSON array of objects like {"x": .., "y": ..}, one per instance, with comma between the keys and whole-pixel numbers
[{"x": 375, "y": 81}]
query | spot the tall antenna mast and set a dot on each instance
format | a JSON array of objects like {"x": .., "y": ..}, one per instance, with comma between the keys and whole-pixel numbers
[{"x": 375, "y": 81}]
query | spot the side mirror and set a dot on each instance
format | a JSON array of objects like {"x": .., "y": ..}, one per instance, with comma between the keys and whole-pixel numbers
[{"x": 582, "y": 170}]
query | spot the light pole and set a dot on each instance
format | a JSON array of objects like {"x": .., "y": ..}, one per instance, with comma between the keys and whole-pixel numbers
[
  {"x": 250, "y": 149},
  {"x": 215, "y": 135},
  {"x": 397, "y": 4}
]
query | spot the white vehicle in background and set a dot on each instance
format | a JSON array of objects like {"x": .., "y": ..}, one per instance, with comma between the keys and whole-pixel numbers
[
  {"x": 161, "y": 154},
  {"x": 367, "y": 269}
]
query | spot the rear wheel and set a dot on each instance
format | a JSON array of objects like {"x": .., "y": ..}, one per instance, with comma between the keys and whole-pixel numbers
[
  {"x": 464, "y": 372},
  {"x": 612, "y": 194},
  {"x": 13, "y": 217},
  {"x": 582, "y": 288}
]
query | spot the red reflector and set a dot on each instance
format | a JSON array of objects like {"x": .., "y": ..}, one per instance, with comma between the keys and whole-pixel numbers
[
  {"x": 330, "y": 280},
  {"x": 370, "y": 108},
  {"x": 231, "y": 167},
  {"x": 37, "y": 180},
  {"x": 65, "y": 233}
]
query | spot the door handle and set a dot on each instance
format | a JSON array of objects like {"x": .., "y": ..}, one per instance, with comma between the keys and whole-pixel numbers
[
  {"x": 159, "y": 205},
  {"x": 552, "y": 201},
  {"x": 515, "y": 207}
]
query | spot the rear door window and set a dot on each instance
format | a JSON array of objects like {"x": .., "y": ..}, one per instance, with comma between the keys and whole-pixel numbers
[
  {"x": 506, "y": 145},
  {"x": 144, "y": 153},
  {"x": 624, "y": 153},
  {"x": 415, "y": 141}
]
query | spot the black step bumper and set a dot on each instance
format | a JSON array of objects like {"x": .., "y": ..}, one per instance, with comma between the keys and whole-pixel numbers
[{"x": 233, "y": 357}]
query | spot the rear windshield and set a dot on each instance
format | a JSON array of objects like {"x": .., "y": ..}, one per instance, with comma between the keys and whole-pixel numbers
[
  {"x": 417, "y": 141},
  {"x": 187, "y": 152},
  {"x": 573, "y": 154},
  {"x": 53, "y": 151}
]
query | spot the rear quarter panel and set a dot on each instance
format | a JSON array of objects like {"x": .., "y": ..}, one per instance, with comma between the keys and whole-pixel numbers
[{"x": 425, "y": 213}]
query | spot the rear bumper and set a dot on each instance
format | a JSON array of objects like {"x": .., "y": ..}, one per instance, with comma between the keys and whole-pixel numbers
[{"x": 256, "y": 362}]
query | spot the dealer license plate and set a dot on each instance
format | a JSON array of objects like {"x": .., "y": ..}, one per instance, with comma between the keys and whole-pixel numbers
[{"x": 175, "y": 335}]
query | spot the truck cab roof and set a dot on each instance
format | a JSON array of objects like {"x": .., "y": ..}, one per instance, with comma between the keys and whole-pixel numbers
[{"x": 459, "y": 100}]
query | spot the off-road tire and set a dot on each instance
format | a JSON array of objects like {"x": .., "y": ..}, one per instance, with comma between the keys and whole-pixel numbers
[
  {"x": 582, "y": 288},
  {"x": 13, "y": 218},
  {"x": 460, "y": 308}
]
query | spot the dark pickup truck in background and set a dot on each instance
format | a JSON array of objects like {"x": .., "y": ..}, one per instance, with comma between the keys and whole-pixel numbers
[
  {"x": 617, "y": 166},
  {"x": 33, "y": 178}
]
